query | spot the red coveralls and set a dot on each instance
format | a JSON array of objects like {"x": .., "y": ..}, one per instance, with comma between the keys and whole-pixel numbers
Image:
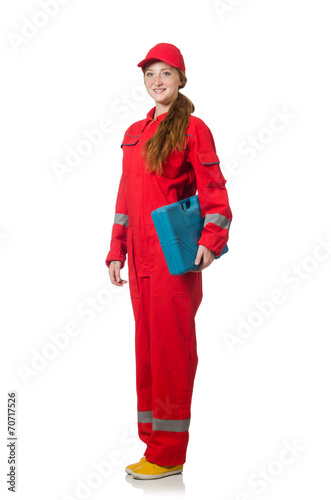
[{"x": 164, "y": 306}]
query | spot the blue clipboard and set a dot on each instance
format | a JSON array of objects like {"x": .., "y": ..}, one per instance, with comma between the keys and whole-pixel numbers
[{"x": 179, "y": 227}]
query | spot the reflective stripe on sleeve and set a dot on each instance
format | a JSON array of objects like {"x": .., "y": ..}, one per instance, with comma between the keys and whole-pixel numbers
[
  {"x": 218, "y": 219},
  {"x": 121, "y": 219},
  {"x": 171, "y": 425},
  {"x": 144, "y": 417}
]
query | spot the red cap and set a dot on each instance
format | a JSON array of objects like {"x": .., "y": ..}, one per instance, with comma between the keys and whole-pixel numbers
[{"x": 165, "y": 52}]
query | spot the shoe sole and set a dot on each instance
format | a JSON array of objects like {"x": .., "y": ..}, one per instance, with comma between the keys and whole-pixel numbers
[{"x": 156, "y": 476}]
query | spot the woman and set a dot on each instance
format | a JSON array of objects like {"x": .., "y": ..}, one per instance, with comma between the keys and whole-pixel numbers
[{"x": 166, "y": 157}]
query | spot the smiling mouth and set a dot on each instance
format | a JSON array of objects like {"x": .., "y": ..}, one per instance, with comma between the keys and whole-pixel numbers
[{"x": 159, "y": 91}]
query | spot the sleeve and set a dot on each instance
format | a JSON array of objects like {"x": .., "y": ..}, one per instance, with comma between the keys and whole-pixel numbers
[
  {"x": 212, "y": 193},
  {"x": 118, "y": 242}
]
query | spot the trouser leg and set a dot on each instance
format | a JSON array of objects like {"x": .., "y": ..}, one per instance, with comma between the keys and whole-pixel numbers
[
  {"x": 174, "y": 362},
  {"x": 141, "y": 307}
]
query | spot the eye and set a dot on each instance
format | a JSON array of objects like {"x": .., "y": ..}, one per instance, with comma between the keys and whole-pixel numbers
[
  {"x": 167, "y": 73},
  {"x": 148, "y": 73}
]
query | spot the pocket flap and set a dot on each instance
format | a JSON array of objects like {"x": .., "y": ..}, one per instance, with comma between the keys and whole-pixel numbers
[
  {"x": 208, "y": 157},
  {"x": 130, "y": 140}
]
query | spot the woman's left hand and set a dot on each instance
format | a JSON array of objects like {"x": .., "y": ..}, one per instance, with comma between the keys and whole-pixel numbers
[{"x": 205, "y": 256}]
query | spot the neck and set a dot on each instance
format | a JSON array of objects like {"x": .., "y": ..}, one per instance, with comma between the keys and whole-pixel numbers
[{"x": 160, "y": 109}]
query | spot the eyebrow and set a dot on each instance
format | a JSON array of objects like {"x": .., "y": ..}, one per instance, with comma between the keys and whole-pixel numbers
[{"x": 160, "y": 69}]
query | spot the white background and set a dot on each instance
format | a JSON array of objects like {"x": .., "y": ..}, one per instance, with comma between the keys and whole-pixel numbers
[{"x": 247, "y": 62}]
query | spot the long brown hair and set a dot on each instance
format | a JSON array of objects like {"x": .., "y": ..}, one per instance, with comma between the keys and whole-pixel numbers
[{"x": 171, "y": 132}]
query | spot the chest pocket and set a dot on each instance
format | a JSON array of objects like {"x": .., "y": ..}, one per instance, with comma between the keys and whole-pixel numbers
[{"x": 128, "y": 145}]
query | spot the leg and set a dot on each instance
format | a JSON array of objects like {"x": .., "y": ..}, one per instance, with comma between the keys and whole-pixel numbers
[
  {"x": 141, "y": 308},
  {"x": 174, "y": 363}
]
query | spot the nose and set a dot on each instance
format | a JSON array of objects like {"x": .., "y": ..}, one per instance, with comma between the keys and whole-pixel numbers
[{"x": 158, "y": 80}]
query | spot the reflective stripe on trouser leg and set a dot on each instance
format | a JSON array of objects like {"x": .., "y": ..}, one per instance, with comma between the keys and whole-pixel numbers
[
  {"x": 171, "y": 425},
  {"x": 160, "y": 424},
  {"x": 145, "y": 417}
]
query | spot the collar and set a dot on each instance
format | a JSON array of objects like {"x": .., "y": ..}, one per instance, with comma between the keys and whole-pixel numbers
[{"x": 149, "y": 118}]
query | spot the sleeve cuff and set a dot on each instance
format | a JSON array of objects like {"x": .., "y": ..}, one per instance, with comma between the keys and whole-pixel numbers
[{"x": 112, "y": 257}]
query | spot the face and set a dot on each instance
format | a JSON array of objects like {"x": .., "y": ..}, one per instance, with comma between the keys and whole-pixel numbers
[{"x": 162, "y": 82}]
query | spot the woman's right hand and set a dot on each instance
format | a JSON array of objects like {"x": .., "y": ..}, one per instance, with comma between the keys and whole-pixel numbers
[{"x": 115, "y": 273}]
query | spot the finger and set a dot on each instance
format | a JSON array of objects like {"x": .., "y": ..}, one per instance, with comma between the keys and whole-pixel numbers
[
  {"x": 112, "y": 274},
  {"x": 117, "y": 274},
  {"x": 198, "y": 257},
  {"x": 119, "y": 280}
]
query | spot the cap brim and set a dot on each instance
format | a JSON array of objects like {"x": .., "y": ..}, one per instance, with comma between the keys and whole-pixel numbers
[{"x": 145, "y": 61}]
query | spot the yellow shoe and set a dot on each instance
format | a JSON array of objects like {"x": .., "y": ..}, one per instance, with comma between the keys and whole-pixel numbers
[
  {"x": 130, "y": 468},
  {"x": 153, "y": 471}
]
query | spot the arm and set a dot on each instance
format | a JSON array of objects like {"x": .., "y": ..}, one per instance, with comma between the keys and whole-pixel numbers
[
  {"x": 118, "y": 242},
  {"x": 212, "y": 192}
]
